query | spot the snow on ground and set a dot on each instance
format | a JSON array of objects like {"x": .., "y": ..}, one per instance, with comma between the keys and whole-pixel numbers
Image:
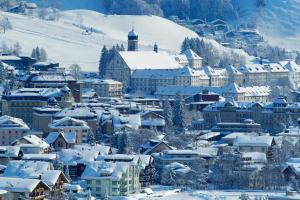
[
  {"x": 278, "y": 21},
  {"x": 167, "y": 193}
]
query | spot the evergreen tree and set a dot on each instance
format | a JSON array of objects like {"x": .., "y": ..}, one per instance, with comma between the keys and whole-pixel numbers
[
  {"x": 168, "y": 115},
  {"x": 38, "y": 53},
  {"x": 17, "y": 49},
  {"x": 122, "y": 48},
  {"x": 298, "y": 58},
  {"x": 178, "y": 113},
  {"x": 33, "y": 53},
  {"x": 103, "y": 61},
  {"x": 43, "y": 55},
  {"x": 124, "y": 143}
]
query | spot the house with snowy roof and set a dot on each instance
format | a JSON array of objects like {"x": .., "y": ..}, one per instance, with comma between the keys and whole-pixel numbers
[
  {"x": 104, "y": 87},
  {"x": 8, "y": 153},
  {"x": 234, "y": 75},
  {"x": 155, "y": 146},
  {"x": 24, "y": 188},
  {"x": 292, "y": 169},
  {"x": 79, "y": 128},
  {"x": 12, "y": 128},
  {"x": 260, "y": 144},
  {"x": 61, "y": 140},
  {"x": 83, "y": 113},
  {"x": 31, "y": 144},
  {"x": 151, "y": 120},
  {"x": 37, "y": 170},
  {"x": 76, "y": 159},
  {"x": 111, "y": 178}
]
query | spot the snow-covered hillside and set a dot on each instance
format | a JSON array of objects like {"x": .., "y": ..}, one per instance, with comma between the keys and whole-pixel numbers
[
  {"x": 278, "y": 21},
  {"x": 66, "y": 43}
]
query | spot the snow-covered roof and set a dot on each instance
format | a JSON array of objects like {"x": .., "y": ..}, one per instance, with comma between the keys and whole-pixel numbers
[
  {"x": 26, "y": 169},
  {"x": 290, "y": 65},
  {"x": 9, "y": 58},
  {"x": 67, "y": 122},
  {"x": 76, "y": 112},
  {"x": 252, "y": 68},
  {"x": 101, "y": 81},
  {"x": 275, "y": 67},
  {"x": 74, "y": 156},
  {"x": 70, "y": 138},
  {"x": 248, "y": 91},
  {"x": 257, "y": 157},
  {"x": 31, "y": 139},
  {"x": 21, "y": 185},
  {"x": 9, "y": 151},
  {"x": 52, "y": 78},
  {"x": 215, "y": 72},
  {"x": 149, "y": 60},
  {"x": 12, "y": 123},
  {"x": 253, "y": 141},
  {"x": 40, "y": 157},
  {"x": 38, "y": 92},
  {"x": 233, "y": 70},
  {"x": 132, "y": 33},
  {"x": 102, "y": 149},
  {"x": 50, "y": 177},
  {"x": 105, "y": 170},
  {"x": 191, "y": 55}
]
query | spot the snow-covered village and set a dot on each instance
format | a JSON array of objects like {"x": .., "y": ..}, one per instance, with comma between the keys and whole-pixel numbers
[{"x": 149, "y": 99}]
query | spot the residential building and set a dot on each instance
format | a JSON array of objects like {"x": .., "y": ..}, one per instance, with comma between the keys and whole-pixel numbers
[
  {"x": 61, "y": 140},
  {"x": 25, "y": 188},
  {"x": 104, "y": 87},
  {"x": 31, "y": 144},
  {"x": 20, "y": 103},
  {"x": 55, "y": 79},
  {"x": 261, "y": 144},
  {"x": 272, "y": 117},
  {"x": 247, "y": 126},
  {"x": 11, "y": 129},
  {"x": 70, "y": 125}
]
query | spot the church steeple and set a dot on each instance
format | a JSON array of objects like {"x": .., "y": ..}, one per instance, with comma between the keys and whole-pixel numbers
[
  {"x": 155, "y": 48},
  {"x": 133, "y": 39}
]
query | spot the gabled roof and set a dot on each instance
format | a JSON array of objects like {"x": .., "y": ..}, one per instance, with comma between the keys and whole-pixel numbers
[
  {"x": 31, "y": 139},
  {"x": 60, "y": 123},
  {"x": 70, "y": 138},
  {"x": 12, "y": 122},
  {"x": 290, "y": 65},
  {"x": 253, "y": 141},
  {"x": 21, "y": 185},
  {"x": 252, "y": 68},
  {"x": 9, "y": 151},
  {"x": 149, "y": 60}
]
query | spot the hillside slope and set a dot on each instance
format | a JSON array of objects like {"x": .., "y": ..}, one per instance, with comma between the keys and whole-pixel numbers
[{"x": 66, "y": 42}]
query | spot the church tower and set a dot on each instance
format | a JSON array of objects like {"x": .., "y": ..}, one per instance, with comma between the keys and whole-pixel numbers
[{"x": 133, "y": 40}]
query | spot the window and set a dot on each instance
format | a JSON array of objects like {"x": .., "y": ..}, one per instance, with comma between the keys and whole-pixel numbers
[
  {"x": 98, "y": 182},
  {"x": 60, "y": 144},
  {"x": 115, "y": 190},
  {"x": 115, "y": 183},
  {"x": 98, "y": 189},
  {"x": 89, "y": 182}
]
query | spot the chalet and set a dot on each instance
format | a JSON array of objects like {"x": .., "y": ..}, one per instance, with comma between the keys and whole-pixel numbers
[
  {"x": 154, "y": 146},
  {"x": 8, "y": 153},
  {"x": 24, "y": 188},
  {"x": 31, "y": 144},
  {"x": 61, "y": 140},
  {"x": 151, "y": 120}
]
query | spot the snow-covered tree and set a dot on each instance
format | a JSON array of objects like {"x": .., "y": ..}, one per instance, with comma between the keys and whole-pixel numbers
[
  {"x": 168, "y": 115},
  {"x": 5, "y": 24},
  {"x": 43, "y": 55},
  {"x": 17, "y": 49},
  {"x": 178, "y": 113},
  {"x": 125, "y": 145},
  {"x": 103, "y": 61},
  {"x": 3, "y": 73},
  {"x": 244, "y": 196},
  {"x": 76, "y": 71}
]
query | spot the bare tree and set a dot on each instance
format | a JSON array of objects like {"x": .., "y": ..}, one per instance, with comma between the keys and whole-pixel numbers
[
  {"x": 5, "y": 24},
  {"x": 75, "y": 70}
]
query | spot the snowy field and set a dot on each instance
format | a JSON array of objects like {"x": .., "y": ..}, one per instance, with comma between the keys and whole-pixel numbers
[{"x": 165, "y": 193}]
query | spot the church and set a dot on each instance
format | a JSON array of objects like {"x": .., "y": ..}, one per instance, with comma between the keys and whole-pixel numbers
[{"x": 148, "y": 70}]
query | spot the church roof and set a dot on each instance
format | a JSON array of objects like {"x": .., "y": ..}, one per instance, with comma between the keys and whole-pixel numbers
[
  {"x": 132, "y": 33},
  {"x": 191, "y": 55},
  {"x": 149, "y": 60}
]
